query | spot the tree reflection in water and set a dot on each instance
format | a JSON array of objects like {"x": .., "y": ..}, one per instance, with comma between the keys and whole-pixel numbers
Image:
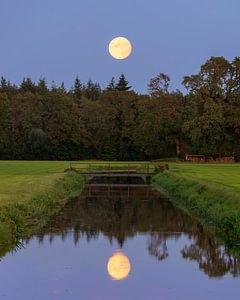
[
  {"x": 157, "y": 246},
  {"x": 121, "y": 215}
]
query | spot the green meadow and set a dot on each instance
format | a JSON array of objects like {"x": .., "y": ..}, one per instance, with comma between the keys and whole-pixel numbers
[
  {"x": 226, "y": 175},
  {"x": 19, "y": 180}
]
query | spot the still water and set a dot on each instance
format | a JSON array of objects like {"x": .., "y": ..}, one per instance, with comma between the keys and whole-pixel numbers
[{"x": 120, "y": 242}]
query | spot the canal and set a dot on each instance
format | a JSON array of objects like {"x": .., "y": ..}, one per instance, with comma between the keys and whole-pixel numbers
[{"x": 120, "y": 240}]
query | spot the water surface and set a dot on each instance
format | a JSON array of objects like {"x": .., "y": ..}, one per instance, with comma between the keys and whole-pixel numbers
[{"x": 120, "y": 242}]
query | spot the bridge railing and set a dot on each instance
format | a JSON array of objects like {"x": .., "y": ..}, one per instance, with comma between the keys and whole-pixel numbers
[{"x": 111, "y": 168}]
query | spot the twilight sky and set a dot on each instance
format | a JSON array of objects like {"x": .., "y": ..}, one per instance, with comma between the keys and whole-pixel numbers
[{"x": 59, "y": 39}]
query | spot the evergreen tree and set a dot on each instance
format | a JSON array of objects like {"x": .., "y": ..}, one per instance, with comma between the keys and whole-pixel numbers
[
  {"x": 28, "y": 85},
  {"x": 62, "y": 87},
  {"x": 42, "y": 88},
  {"x": 78, "y": 89},
  {"x": 7, "y": 87},
  {"x": 122, "y": 84},
  {"x": 3, "y": 84},
  {"x": 112, "y": 85},
  {"x": 92, "y": 90}
]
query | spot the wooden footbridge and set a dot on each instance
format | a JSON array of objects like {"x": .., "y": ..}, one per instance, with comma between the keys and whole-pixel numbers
[{"x": 143, "y": 170}]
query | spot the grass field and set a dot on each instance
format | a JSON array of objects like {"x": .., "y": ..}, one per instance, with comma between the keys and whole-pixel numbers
[
  {"x": 21, "y": 179},
  {"x": 227, "y": 175}
]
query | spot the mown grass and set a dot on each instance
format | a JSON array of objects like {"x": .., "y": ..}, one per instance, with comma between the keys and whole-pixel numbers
[
  {"x": 226, "y": 175},
  {"x": 19, "y": 180}
]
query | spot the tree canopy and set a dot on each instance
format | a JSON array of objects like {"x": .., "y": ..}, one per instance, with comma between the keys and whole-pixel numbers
[{"x": 89, "y": 122}]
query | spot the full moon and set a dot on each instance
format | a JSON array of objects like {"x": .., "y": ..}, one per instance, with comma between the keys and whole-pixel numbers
[
  {"x": 118, "y": 266},
  {"x": 120, "y": 48}
]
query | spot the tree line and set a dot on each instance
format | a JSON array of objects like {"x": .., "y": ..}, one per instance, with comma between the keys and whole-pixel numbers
[{"x": 116, "y": 123}]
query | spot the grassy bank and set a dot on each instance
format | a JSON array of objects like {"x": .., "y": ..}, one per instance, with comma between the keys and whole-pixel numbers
[
  {"x": 215, "y": 205},
  {"x": 30, "y": 193}
]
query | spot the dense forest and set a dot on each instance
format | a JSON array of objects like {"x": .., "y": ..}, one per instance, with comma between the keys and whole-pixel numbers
[{"x": 116, "y": 123}]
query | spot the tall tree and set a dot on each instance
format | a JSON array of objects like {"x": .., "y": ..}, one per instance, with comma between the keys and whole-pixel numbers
[
  {"x": 5, "y": 126},
  {"x": 42, "y": 88},
  {"x": 209, "y": 107},
  {"x": 92, "y": 90},
  {"x": 78, "y": 89},
  {"x": 122, "y": 84},
  {"x": 37, "y": 144},
  {"x": 62, "y": 125},
  {"x": 159, "y": 85},
  {"x": 28, "y": 85},
  {"x": 62, "y": 87},
  {"x": 3, "y": 85},
  {"x": 112, "y": 85}
]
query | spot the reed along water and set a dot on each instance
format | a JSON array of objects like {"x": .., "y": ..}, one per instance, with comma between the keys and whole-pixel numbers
[{"x": 121, "y": 239}]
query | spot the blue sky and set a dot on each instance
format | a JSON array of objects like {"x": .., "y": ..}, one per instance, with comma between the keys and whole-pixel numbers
[{"x": 59, "y": 39}]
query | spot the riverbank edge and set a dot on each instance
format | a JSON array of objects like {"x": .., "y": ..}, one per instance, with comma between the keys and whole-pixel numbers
[
  {"x": 216, "y": 207},
  {"x": 23, "y": 219}
]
